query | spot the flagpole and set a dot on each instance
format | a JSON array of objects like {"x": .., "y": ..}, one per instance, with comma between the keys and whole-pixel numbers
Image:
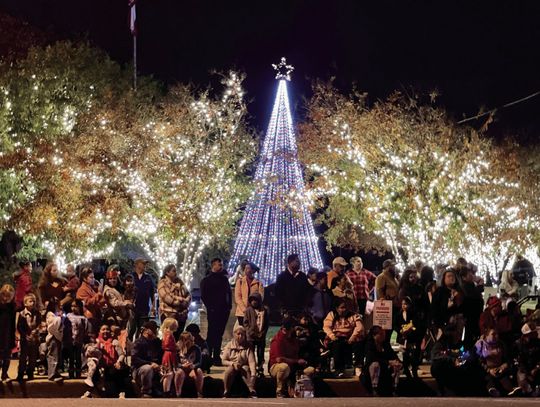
[
  {"x": 135, "y": 62},
  {"x": 133, "y": 28}
]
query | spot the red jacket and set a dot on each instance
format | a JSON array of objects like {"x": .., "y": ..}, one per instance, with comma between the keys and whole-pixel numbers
[
  {"x": 281, "y": 346},
  {"x": 23, "y": 286}
]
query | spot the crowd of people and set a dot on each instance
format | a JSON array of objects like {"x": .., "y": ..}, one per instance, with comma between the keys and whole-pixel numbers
[{"x": 114, "y": 335}]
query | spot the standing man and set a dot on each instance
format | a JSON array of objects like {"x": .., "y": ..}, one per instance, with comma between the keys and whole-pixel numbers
[
  {"x": 292, "y": 288},
  {"x": 217, "y": 297},
  {"x": 387, "y": 288},
  {"x": 144, "y": 295},
  {"x": 338, "y": 269},
  {"x": 363, "y": 282}
]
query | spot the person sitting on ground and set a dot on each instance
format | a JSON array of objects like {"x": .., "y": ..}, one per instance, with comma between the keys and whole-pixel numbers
[
  {"x": 446, "y": 364},
  {"x": 341, "y": 289},
  {"x": 344, "y": 332},
  {"x": 494, "y": 359},
  {"x": 115, "y": 371},
  {"x": 382, "y": 362},
  {"x": 190, "y": 362},
  {"x": 145, "y": 359},
  {"x": 284, "y": 358},
  {"x": 307, "y": 333},
  {"x": 527, "y": 351},
  {"x": 239, "y": 358},
  {"x": 170, "y": 374},
  {"x": 206, "y": 360},
  {"x": 494, "y": 317},
  {"x": 256, "y": 325}
]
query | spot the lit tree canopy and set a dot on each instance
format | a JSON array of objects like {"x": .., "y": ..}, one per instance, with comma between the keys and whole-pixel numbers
[
  {"x": 405, "y": 173},
  {"x": 85, "y": 161}
]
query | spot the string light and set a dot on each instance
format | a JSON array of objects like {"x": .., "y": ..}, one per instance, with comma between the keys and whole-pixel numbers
[{"x": 276, "y": 222}]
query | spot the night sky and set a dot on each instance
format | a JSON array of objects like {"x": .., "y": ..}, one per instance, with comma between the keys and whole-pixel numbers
[{"x": 475, "y": 53}]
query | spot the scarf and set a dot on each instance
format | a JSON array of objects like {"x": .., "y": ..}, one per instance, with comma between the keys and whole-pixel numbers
[{"x": 110, "y": 356}]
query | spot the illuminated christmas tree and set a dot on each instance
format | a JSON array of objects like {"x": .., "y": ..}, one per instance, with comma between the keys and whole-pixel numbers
[{"x": 276, "y": 222}]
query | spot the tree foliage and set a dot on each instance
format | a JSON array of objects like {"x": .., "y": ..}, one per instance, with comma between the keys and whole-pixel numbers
[
  {"x": 86, "y": 162},
  {"x": 403, "y": 171}
]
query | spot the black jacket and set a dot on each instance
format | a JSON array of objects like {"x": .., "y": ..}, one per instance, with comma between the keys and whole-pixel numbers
[
  {"x": 293, "y": 292},
  {"x": 146, "y": 351},
  {"x": 216, "y": 292}
]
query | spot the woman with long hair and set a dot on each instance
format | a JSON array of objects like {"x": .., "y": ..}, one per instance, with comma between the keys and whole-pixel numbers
[
  {"x": 51, "y": 286},
  {"x": 174, "y": 298},
  {"x": 448, "y": 300},
  {"x": 344, "y": 332},
  {"x": 117, "y": 307},
  {"x": 190, "y": 362}
]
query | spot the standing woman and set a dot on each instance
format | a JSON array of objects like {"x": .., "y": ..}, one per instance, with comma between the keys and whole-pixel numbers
[
  {"x": 7, "y": 324},
  {"x": 92, "y": 299},
  {"x": 447, "y": 301},
  {"x": 51, "y": 286},
  {"x": 117, "y": 306},
  {"x": 245, "y": 286},
  {"x": 174, "y": 298}
]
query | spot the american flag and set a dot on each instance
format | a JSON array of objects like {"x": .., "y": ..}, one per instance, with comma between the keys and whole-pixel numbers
[{"x": 132, "y": 17}]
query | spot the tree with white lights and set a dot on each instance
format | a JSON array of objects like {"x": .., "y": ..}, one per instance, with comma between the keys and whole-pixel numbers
[
  {"x": 422, "y": 186},
  {"x": 87, "y": 163},
  {"x": 276, "y": 221}
]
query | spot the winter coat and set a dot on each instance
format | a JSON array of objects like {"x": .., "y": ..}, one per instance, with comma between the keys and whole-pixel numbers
[
  {"x": 293, "y": 291},
  {"x": 116, "y": 302},
  {"x": 235, "y": 352},
  {"x": 55, "y": 327},
  {"x": 349, "y": 327},
  {"x": 243, "y": 290},
  {"x": 174, "y": 298},
  {"x": 93, "y": 300},
  {"x": 216, "y": 292},
  {"x": 510, "y": 288},
  {"x": 387, "y": 288},
  {"x": 250, "y": 323}
]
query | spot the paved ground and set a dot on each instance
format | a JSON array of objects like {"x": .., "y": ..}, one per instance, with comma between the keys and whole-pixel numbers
[{"x": 337, "y": 402}]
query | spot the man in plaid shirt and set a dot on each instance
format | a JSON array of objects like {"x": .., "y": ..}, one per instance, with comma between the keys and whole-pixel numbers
[{"x": 363, "y": 283}]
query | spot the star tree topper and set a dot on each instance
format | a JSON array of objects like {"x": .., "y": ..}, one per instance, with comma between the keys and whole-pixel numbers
[{"x": 283, "y": 70}]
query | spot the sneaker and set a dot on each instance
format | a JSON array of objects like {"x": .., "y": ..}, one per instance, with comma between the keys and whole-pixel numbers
[
  {"x": 226, "y": 395},
  {"x": 88, "y": 381},
  {"x": 58, "y": 379},
  {"x": 279, "y": 395},
  {"x": 146, "y": 396},
  {"x": 122, "y": 395},
  {"x": 200, "y": 396},
  {"x": 493, "y": 392},
  {"x": 375, "y": 392},
  {"x": 86, "y": 395},
  {"x": 516, "y": 392},
  {"x": 253, "y": 394}
]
